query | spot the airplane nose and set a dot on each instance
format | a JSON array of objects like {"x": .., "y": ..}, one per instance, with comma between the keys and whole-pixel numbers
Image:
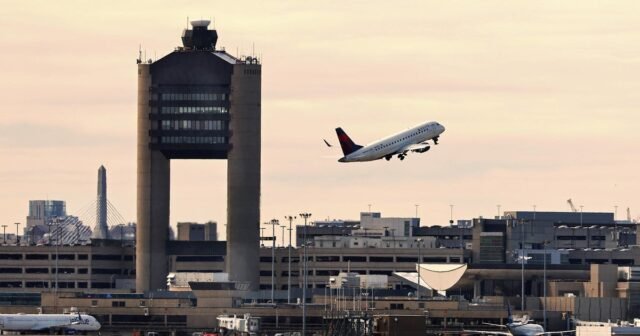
[{"x": 442, "y": 128}]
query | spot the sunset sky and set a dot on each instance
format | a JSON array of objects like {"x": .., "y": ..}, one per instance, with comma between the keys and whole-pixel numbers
[{"x": 540, "y": 99}]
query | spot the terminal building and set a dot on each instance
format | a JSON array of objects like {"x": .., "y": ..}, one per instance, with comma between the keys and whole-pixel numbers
[{"x": 587, "y": 273}]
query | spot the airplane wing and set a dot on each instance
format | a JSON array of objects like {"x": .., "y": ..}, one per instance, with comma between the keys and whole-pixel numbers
[
  {"x": 419, "y": 148},
  {"x": 566, "y": 332},
  {"x": 482, "y": 332},
  {"x": 495, "y": 325}
]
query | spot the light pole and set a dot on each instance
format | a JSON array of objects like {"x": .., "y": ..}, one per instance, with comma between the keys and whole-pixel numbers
[
  {"x": 282, "y": 227},
  {"x": 273, "y": 222},
  {"x": 419, "y": 241},
  {"x": 544, "y": 284},
  {"x": 417, "y": 205},
  {"x": 290, "y": 219},
  {"x": 4, "y": 233},
  {"x": 522, "y": 259},
  {"x": 393, "y": 236},
  {"x": 306, "y": 216},
  {"x": 17, "y": 233},
  {"x": 450, "y": 213}
]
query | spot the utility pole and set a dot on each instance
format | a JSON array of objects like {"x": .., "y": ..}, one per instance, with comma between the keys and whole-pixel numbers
[
  {"x": 419, "y": 241},
  {"x": 544, "y": 283},
  {"x": 290, "y": 219},
  {"x": 17, "y": 233},
  {"x": 522, "y": 260},
  {"x": 304, "y": 287},
  {"x": 4, "y": 233},
  {"x": 273, "y": 222}
]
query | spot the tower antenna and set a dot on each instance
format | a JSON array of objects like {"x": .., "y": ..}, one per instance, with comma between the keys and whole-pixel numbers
[
  {"x": 253, "y": 49},
  {"x": 187, "y": 22}
]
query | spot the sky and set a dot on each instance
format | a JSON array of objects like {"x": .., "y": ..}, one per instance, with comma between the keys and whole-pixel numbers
[{"x": 539, "y": 100}]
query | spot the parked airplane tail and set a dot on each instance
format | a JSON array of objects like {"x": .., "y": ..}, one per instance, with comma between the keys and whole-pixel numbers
[{"x": 348, "y": 146}]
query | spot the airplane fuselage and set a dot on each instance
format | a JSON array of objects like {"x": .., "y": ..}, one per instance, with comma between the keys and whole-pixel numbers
[
  {"x": 33, "y": 322},
  {"x": 529, "y": 329},
  {"x": 396, "y": 143}
]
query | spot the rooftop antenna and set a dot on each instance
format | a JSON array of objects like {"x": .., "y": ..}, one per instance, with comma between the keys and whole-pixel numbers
[
  {"x": 139, "y": 60},
  {"x": 214, "y": 22},
  {"x": 187, "y": 22},
  {"x": 253, "y": 49}
]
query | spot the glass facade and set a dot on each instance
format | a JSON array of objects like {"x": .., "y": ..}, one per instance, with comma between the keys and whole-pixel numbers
[
  {"x": 190, "y": 115},
  {"x": 47, "y": 209}
]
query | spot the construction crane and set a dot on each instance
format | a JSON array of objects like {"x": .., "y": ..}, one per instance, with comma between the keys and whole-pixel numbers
[{"x": 573, "y": 207}]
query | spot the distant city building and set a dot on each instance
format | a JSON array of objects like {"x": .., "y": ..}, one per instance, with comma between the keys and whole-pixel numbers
[
  {"x": 48, "y": 223},
  {"x": 42, "y": 211},
  {"x": 197, "y": 232},
  {"x": 125, "y": 232}
]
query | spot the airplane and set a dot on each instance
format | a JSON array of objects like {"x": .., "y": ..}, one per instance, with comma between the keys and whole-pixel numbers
[
  {"x": 414, "y": 139},
  {"x": 47, "y": 322},
  {"x": 521, "y": 327}
]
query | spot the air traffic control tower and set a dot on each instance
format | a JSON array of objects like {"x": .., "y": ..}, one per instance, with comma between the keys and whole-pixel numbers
[{"x": 198, "y": 103}]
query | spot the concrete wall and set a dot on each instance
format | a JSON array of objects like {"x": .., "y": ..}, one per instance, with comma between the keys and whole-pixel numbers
[
  {"x": 243, "y": 175},
  {"x": 153, "y": 183}
]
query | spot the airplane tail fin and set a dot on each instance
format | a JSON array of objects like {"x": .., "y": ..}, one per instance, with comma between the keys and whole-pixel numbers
[{"x": 348, "y": 146}]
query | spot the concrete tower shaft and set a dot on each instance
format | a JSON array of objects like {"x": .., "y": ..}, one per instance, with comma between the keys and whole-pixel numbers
[
  {"x": 153, "y": 182},
  {"x": 101, "y": 231},
  {"x": 243, "y": 175}
]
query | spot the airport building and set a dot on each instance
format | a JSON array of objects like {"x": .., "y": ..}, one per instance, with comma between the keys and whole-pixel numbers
[{"x": 197, "y": 232}]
